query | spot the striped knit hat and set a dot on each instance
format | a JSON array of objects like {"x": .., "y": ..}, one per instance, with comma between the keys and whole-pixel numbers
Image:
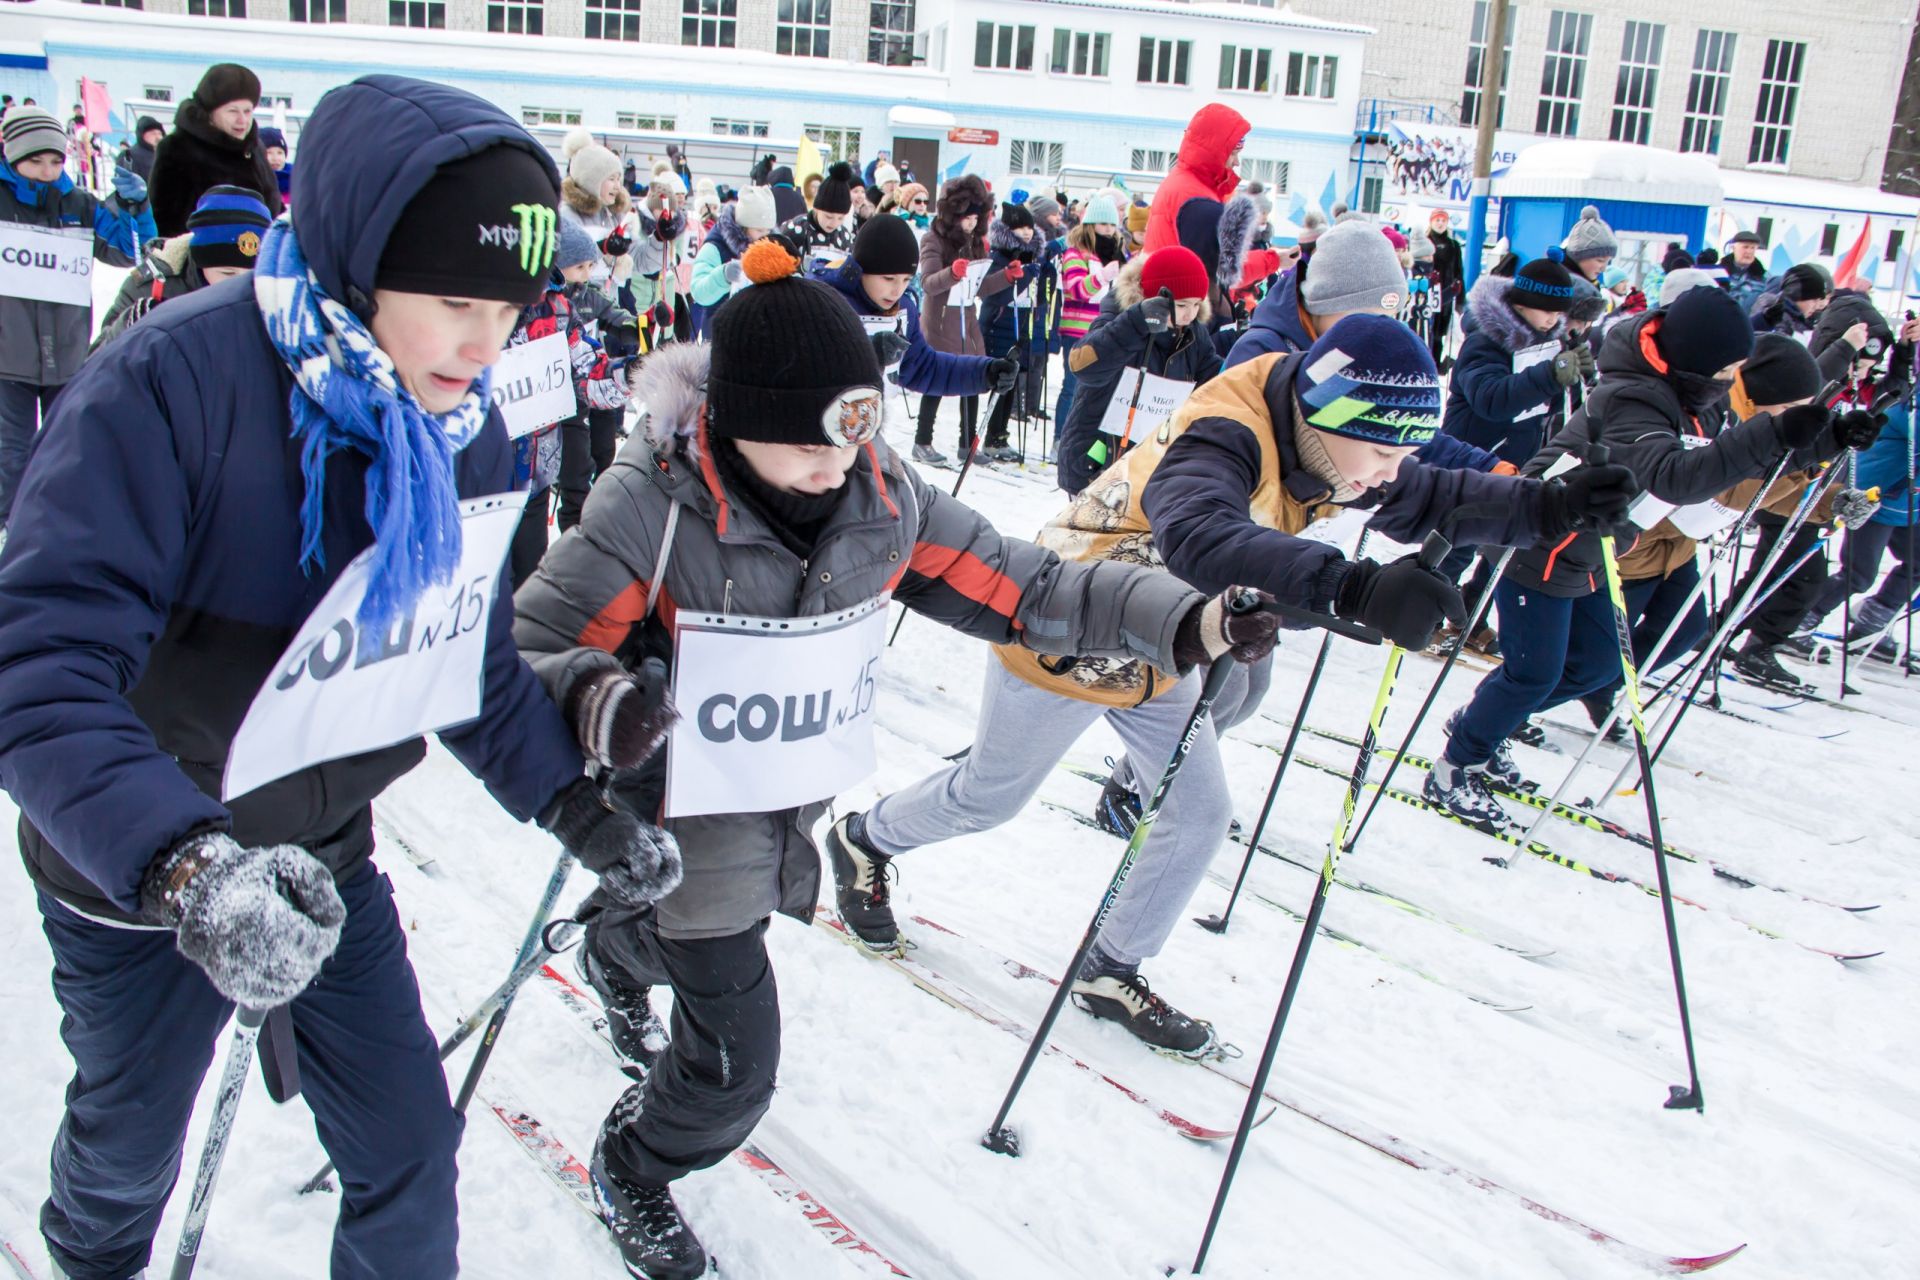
[
  {"x": 1371, "y": 378},
  {"x": 226, "y": 227},
  {"x": 27, "y": 131}
]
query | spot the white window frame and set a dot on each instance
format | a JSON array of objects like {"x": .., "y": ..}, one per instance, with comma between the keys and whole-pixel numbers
[
  {"x": 805, "y": 27},
  {"x": 1781, "y": 76},
  {"x": 534, "y": 117},
  {"x": 517, "y": 17},
  {"x": 330, "y": 12},
  {"x": 1563, "y": 73},
  {"x": 1168, "y": 61},
  {"x": 1030, "y": 158},
  {"x": 836, "y": 142},
  {"x": 616, "y": 18},
  {"x": 1081, "y": 55},
  {"x": 1476, "y": 51},
  {"x": 157, "y": 92},
  {"x": 1637, "y": 85},
  {"x": 1150, "y": 160},
  {"x": 1707, "y": 86},
  {"x": 1004, "y": 42},
  {"x": 432, "y": 14},
  {"x": 727, "y": 127},
  {"x": 712, "y": 24},
  {"x": 890, "y": 32},
  {"x": 1311, "y": 75},
  {"x": 236, "y": 9},
  {"x": 1244, "y": 69},
  {"x": 1274, "y": 173},
  {"x": 645, "y": 120}
]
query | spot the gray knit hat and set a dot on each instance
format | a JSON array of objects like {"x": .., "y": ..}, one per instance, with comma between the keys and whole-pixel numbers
[
  {"x": 1312, "y": 226},
  {"x": 1354, "y": 268},
  {"x": 1042, "y": 207},
  {"x": 1590, "y": 238},
  {"x": 1678, "y": 282},
  {"x": 28, "y": 131}
]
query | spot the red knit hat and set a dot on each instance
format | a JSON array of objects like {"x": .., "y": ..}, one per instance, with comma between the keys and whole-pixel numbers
[{"x": 1178, "y": 270}]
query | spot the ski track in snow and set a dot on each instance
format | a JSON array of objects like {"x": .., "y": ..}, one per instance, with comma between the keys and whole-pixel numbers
[{"x": 1807, "y": 1150}]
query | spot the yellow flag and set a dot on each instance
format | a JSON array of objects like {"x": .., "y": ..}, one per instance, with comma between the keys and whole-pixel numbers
[{"x": 806, "y": 162}]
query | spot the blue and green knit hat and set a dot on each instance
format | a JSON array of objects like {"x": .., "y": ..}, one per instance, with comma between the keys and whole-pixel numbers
[{"x": 1371, "y": 378}]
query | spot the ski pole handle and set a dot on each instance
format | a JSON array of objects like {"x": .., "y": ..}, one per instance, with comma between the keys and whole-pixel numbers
[
  {"x": 1245, "y": 601},
  {"x": 1435, "y": 549}
]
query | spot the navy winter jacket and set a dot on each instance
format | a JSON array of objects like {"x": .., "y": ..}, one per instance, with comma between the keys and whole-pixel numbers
[
  {"x": 1485, "y": 396},
  {"x": 924, "y": 368},
  {"x": 152, "y": 577}
]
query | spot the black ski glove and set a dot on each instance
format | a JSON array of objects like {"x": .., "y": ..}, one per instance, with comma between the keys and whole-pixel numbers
[
  {"x": 1592, "y": 499},
  {"x": 1002, "y": 373},
  {"x": 1800, "y": 426},
  {"x": 1157, "y": 313},
  {"x": 1856, "y": 429},
  {"x": 261, "y": 922},
  {"x": 620, "y": 717},
  {"x": 1210, "y": 631},
  {"x": 637, "y": 862},
  {"x": 889, "y": 348},
  {"x": 616, "y": 243},
  {"x": 1025, "y": 256},
  {"x": 1403, "y": 601},
  {"x": 1574, "y": 365}
]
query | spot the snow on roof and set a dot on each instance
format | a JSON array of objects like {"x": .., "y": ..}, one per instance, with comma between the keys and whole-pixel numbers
[
  {"x": 1579, "y": 170},
  {"x": 1746, "y": 186},
  {"x": 1225, "y": 10},
  {"x": 920, "y": 117}
]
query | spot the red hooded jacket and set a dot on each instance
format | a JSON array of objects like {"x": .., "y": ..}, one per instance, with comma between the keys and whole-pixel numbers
[{"x": 1201, "y": 172}]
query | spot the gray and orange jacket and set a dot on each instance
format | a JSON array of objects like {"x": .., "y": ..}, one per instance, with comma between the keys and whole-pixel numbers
[{"x": 586, "y": 608}]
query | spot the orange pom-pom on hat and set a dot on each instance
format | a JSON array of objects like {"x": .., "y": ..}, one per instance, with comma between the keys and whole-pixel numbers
[{"x": 768, "y": 260}]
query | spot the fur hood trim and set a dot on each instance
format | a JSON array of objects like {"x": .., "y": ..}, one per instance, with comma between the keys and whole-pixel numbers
[
  {"x": 672, "y": 385},
  {"x": 1127, "y": 289},
  {"x": 1488, "y": 302},
  {"x": 1239, "y": 224},
  {"x": 588, "y": 205},
  {"x": 729, "y": 231},
  {"x": 1000, "y": 237},
  {"x": 171, "y": 254}
]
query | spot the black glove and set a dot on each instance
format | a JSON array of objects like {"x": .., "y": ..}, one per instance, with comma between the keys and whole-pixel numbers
[
  {"x": 1857, "y": 429},
  {"x": 620, "y": 717},
  {"x": 1157, "y": 313},
  {"x": 1025, "y": 257},
  {"x": 1593, "y": 499},
  {"x": 1574, "y": 366},
  {"x": 1210, "y": 631},
  {"x": 662, "y": 316},
  {"x": 637, "y": 862},
  {"x": 1403, "y": 601},
  {"x": 616, "y": 243},
  {"x": 1002, "y": 373},
  {"x": 622, "y": 340},
  {"x": 889, "y": 348},
  {"x": 1800, "y": 426},
  {"x": 260, "y": 922}
]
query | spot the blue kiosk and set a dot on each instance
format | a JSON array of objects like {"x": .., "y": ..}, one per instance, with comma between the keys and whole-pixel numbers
[{"x": 1649, "y": 196}]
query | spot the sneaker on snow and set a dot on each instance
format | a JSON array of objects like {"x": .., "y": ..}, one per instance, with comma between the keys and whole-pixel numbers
[
  {"x": 655, "y": 1241},
  {"x": 1599, "y": 706},
  {"x": 635, "y": 1029},
  {"x": 1002, "y": 453},
  {"x": 860, "y": 885},
  {"x": 1118, "y": 811},
  {"x": 1126, "y": 999},
  {"x": 928, "y": 454},
  {"x": 1759, "y": 664},
  {"x": 1463, "y": 793},
  {"x": 1500, "y": 766}
]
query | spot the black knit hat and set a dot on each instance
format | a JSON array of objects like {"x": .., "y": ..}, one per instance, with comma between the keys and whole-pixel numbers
[
  {"x": 1015, "y": 216},
  {"x": 1804, "y": 282},
  {"x": 1542, "y": 284},
  {"x": 1703, "y": 331},
  {"x": 226, "y": 82},
  {"x": 226, "y": 226},
  {"x": 887, "y": 246},
  {"x": 835, "y": 193},
  {"x": 783, "y": 352},
  {"x": 1780, "y": 371},
  {"x": 483, "y": 227}
]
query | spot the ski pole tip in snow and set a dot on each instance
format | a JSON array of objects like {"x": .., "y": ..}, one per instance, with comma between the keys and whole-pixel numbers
[
  {"x": 1682, "y": 1097},
  {"x": 1002, "y": 1141}
]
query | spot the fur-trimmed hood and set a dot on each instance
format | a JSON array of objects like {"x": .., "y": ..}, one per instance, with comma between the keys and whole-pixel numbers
[
  {"x": 671, "y": 384},
  {"x": 1239, "y": 225},
  {"x": 1493, "y": 316},
  {"x": 727, "y": 229},
  {"x": 957, "y": 197},
  {"x": 589, "y": 205},
  {"x": 1001, "y": 239},
  {"x": 1127, "y": 289}
]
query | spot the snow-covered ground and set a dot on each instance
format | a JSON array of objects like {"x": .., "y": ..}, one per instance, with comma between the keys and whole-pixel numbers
[{"x": 1808, "y": 1151}]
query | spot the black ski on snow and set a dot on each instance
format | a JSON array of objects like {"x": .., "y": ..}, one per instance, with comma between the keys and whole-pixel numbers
[
  {"x": 1400, "y": 1149},
  {"x": 1517, "y": 840},
  {"x": 1595, "y": 822}
]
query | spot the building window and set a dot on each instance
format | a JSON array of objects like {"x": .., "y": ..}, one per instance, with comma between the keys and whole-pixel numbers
[
  {"x": 1895, "y": 239},
  {"x": 890, "y": 25},
  {"x": 1370, "y": 191},
  {"x": 613, "y": 19},
  {"x": 1164, "y": 61},
  {"x": 805, "y": 28},
  {"x": 516, "y": 17},
  {"x": 1633, "y": 90},
  {"x": 1246, "y": 69},
  {"x": 1142, "y": 160},
  {"x": 999, "y": 47},
  {"x": 1272, "y": 172},
  {"x": 117, "y": 4},
  {"x": 417, "y": 13},
  {"x": 708, "y": 23},
  {"x": 1563, "y": 77},
  {"x": 158, "y": 93},
  {"x": 1476, "y": 54},
  {"x": 271, "y": 102},
  {"x": 1763, "y": 227},
  {"x": 1707, "y": 92},
  {"x": 1079, "y": 53},
  {"x": 217, "y": 8},
  {"x": 835, "y": 143},
  {"x": 634, "y": 120},
  {"x": 1310, "y": 75},
  {"x": 535, "y": 116},
  {"x": 1829, "y": 239},
  {"x": 1779, "y": 98},
  {"x": 316, "y": 10},
  {"x": 740, "y": 128},
  {"x": 1046, "y": 158}
]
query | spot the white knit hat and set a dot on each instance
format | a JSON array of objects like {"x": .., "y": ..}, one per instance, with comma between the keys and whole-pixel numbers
[
  {"x": 883, "y": 173},
  {"x": 755, "y": 209},
  {"x": 592, "y": 165},
  {"x": 577, "y": 137}
]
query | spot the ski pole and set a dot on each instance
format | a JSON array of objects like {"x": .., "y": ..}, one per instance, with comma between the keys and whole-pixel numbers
[
  {"x": 1846, "y": 604},
  {"x": 1218, "y": 924},
  {"x": 1432, "y": 552},
  {"x": 973, "y": 451},
  {"x": 233, "y": 1080},
  {"x": 1687, "y": 1097}
]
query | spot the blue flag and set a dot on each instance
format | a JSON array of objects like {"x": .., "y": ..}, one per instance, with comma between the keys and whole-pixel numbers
[
  {"x": 1297, "y": 209},
  {"x": 1329, "y": 197}
]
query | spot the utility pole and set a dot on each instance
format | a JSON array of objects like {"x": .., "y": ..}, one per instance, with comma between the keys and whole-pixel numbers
[{"x": 1493, "y": 65}]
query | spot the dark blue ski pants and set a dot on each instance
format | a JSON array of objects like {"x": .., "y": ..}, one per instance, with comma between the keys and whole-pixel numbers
[
  {"x": 143, "y": 1023},
  {"x": 1553, "y": 650}
]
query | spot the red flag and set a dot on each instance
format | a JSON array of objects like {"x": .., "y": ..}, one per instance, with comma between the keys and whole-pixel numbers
[
  {"x": 95, "y": 105},
  {"x": 1847, "y": 274}
]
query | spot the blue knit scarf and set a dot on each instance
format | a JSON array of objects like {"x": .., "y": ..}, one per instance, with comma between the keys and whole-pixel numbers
[{"x": 346, "y": 396}]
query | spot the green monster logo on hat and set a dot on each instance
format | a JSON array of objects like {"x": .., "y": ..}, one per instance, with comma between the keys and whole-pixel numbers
[{"x": 536, "y": 237}]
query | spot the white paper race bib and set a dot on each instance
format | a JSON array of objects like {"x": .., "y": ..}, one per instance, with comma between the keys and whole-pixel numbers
[
  {"x": 1159, "y": 399},
  {"x": 966, "y": 291},
  {"x": 1525, "y": 359},
  {"x": 45, "y": 265},
  {"x": 338, "y": 691},
  {"x": 774, "y": 712},
  {"x": 533, "y": 384}
]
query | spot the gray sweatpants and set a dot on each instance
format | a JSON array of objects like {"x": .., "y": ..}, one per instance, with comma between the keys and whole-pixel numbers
[{"x": 1022, "y": 735}]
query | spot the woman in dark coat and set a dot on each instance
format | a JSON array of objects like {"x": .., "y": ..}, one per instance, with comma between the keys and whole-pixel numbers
[
  {"x": 956, "y": 237},
  {"x": 214, "y": 143}
]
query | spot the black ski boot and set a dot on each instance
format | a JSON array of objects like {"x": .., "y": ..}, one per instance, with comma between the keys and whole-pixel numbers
[
  {"x": 1119, "y": 994},
  {"x": 1871, "y": 620},
  {"x": 635, "y": 1029},
  {"x": 931, "y": 456},
  {"x": 1529, "y": 734},
  {"x": 655, "y": 1241},
  {"x": 1757, "y": 664},
  {"x": 1599, "y": 706},
  {"x": 1500, "y": 768},
  {"x": 1463, "y": 793},
  {"x": 860, "y": 884},
  {"x": 1119, "y": 809}
]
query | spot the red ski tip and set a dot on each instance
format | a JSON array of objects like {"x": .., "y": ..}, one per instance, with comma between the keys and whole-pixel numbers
[{"x": 1687, "y": 1266}]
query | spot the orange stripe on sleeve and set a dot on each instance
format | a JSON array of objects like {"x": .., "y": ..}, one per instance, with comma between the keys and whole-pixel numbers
[
  {"x": 609, "y": 628},
  {"x": 970, "y": 576}
]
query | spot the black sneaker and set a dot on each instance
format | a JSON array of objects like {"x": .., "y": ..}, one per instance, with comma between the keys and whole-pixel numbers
[
  {"x": 1002, "y": 453},
  {"x": 655, "y": 1241},
  {"x": 928, "y": 454},
  {"x": 635, "y": 1029},
  {"x": 1126, "y": 999},
  {"x": 1118, "y": 811},
  {"x": 1757, "y": 663},
  {"x": 1463, "y": 793},
  {"x": 1598, "y": 707},
  {"x": 1500, "y": 766},
  {"x": 860, "y": 884}
]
